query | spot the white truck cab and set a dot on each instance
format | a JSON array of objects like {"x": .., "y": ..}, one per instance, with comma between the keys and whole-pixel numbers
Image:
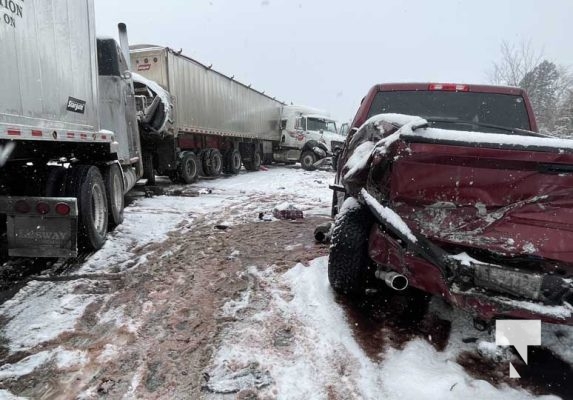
[{"x": 308, "y": 136}]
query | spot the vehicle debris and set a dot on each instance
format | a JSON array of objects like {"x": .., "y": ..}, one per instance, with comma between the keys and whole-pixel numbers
[
  {"x": 323, "y": 232},
  {"x": 287, "y": 210}
]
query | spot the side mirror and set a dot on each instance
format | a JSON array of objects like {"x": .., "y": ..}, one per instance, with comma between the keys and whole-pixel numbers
[{"x": 126, "y": 75}]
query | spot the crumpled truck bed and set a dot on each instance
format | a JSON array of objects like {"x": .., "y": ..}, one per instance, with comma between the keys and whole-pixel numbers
[{"x": 507, "y": 195}]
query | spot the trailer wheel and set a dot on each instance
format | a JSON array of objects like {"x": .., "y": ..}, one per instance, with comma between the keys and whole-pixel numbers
[
  {"x": 148, "y": 170},
  {"x": 232, "y": 163},
  {"x": 188, "y": 170},
  {"x": 349, "y": 267},
  {"x": 85, "y": 183},
  {"x": 254, "y": 164},
  {"x": 214, "y": 163},
  {"x": 113, "y": 180},
  {"x": 307, "y": 160}
]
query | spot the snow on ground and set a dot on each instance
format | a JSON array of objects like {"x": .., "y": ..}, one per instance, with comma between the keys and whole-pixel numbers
[
  {"x": 43, "y": 310},
  {"x": 297, "y": 344},
  {"x": 287, "y": 336}
]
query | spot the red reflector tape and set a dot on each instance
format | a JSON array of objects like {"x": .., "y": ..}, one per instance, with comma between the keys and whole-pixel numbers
[
  {"x": 71, "y": 135},
  {"x": 37, "y": 133},
  {"x": 83, "y": 135},
  {"x": 13, "y": 132}
]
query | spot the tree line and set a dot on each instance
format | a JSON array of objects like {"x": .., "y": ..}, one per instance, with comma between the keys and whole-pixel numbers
[{"x": 549, "y": 85}]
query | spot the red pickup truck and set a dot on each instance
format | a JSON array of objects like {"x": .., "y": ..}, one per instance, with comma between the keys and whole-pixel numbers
[{"x": 448, "y": 188}]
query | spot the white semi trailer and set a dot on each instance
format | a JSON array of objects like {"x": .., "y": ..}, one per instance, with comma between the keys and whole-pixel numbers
[
  {"x": 67, "y": 115},
  {"x": 200, "y": 121}
]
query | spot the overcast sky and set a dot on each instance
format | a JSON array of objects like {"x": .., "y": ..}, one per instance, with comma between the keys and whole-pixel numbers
[{"x": 328, "y": 53}]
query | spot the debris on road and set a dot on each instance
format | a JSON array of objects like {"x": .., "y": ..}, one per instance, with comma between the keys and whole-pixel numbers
[
  {"x": 224, "y": 380},
  {"x": 323, "y": 232},
  {"x": 287, "y": 211}
]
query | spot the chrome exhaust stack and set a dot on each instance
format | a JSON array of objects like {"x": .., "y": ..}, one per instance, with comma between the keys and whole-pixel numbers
[
  {"x": 124, "y": 43},
  {"x": 393, "y": 279}
]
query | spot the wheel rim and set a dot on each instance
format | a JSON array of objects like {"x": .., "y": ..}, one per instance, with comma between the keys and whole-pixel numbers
[
  {"x": 117, "y": 192},
  {"x": 257, "y": 159},
  {"x": 216, "y": 162},
  {"x": 236, "y": 161},
  {"x": 190, "y": 168},
  {"x": 98, "y": 209},
  {"x": 307, "y": 160}
]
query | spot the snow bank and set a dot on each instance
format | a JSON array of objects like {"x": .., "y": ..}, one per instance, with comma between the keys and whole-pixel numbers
[
  {"x": 62, "y": 358},
  {"x": 323, "y": 360},
  {"x": 41, "y": 311}
]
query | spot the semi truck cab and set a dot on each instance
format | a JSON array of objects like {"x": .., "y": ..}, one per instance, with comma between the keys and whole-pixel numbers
[{"x": 308, "y": 136}]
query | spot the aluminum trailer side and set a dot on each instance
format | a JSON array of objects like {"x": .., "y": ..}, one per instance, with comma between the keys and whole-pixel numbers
[
  {"x": 218, "y": 122},
  {"x": 68, "y": 111}
]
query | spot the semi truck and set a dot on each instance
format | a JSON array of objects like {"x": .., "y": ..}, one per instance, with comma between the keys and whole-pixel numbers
[
  {"x": 79, "y": 128},
  {"x": 198, "y": 121},
  {"x": 68, "y": 117}
]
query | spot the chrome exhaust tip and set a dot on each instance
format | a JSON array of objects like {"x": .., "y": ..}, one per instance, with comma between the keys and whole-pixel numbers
[{"x": 393, "y": 279}]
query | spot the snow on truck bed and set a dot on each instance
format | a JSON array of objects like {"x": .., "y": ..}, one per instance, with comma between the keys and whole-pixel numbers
[{"x": 407, "y": 122}]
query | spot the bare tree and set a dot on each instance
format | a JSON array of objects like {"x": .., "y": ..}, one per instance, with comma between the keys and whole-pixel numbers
[{"x": 516, "y": 61}]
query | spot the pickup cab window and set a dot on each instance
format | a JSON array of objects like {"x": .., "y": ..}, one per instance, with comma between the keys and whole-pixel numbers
[{"x": 455, "y": 110}]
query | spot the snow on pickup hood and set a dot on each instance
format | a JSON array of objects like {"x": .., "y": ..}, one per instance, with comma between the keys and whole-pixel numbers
[{"x": 508, "y": 194}]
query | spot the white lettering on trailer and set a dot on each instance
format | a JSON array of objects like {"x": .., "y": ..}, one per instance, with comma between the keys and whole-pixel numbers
[{"x": 75, "y": 106}]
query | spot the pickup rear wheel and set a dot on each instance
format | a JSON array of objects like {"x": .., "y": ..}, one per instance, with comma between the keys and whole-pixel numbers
[
  {"x": 349, "y": 267},
  {"x": 113, "y": 180},
  {"x": 307, "y": 160},
  {"x": 85, "y": 183}
]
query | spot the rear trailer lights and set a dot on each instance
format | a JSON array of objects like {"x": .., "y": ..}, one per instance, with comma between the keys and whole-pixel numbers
[
  {"x": 22, "y": 207},
  {"x": 42, "y": 208},
  {"x": 63, "y": 209}
]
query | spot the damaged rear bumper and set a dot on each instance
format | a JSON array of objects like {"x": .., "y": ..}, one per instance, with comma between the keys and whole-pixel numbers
[{"x": 485, "y": 290}]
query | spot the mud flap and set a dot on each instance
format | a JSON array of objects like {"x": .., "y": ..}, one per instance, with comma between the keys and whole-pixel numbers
[{"x": 35, "y": 234}]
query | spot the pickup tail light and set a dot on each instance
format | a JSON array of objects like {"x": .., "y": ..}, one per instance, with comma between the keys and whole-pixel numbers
[{"x": 449, "y": 87}]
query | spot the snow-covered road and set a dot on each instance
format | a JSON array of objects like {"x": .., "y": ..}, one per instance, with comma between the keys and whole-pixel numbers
[{"x": 180, "y": 309}]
